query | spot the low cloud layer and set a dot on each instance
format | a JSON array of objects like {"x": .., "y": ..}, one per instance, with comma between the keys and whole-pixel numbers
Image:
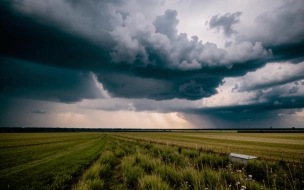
[{"x": 22, "y": 79}]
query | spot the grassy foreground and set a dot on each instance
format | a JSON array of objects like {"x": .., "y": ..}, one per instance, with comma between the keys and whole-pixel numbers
[
  {"x": 137, "y": 164},
  {"x": 168, "y": 160},
  {"x": 46, "y": 160}
]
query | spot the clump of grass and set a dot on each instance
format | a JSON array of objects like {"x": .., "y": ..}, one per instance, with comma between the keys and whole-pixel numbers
[
  {"x": 211, "y": 178},
  {"x": 131, "y": 175},
  {"x": 171, "y": 175},
  {"x": 105, "y": 171},
  {"x": 170, "y": 155},
  {"x": 93, "y": 172},
  {"x": 192, "y": 178},
  {"x": 148, "y": 146},
  {"x": 95, "y": 184},
  {"x": 107, "y": 157},
  {"x": 228, "y": 178},
  {"x": 152, "y": 182},
  {"x": 190, "y": 153},
  {"x": 149, "y": 165},
  {"x": 131, "y": 172},
  {"x": 119, "y": 153},
  {"x": 97, "y": 171},
  {"x": 253, "y": 185},
  {"x": 211, "y": 160},
  {"x": 61, "y": 180}
]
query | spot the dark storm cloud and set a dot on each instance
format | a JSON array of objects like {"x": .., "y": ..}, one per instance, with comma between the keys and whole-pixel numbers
[
  {"x": 24, "y": 38},
  {"x": 191, "y": 88},
  {"x": 39, "y": 112},
  {"x": 27, "y": 80},
  {"x": 139, "y": 59},
  {"x": 50, "y": 48},
  {"x": 133, "y": 51},
  {"x": 288, "y": 52},
  {"x": 225, "y": 22}
]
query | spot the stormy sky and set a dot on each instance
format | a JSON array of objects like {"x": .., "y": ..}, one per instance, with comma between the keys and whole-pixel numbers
[{"x": 152, "y": 63}]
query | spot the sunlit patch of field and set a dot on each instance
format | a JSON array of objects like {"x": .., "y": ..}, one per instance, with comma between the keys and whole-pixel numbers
[
  {"x": 289, "y": 146},
  {"x": 288, "y": 138}
]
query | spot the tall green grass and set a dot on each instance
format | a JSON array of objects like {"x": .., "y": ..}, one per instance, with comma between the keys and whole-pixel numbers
[
  {"x": 152, "y": 182},
  {"x": 144, "y": 165}
]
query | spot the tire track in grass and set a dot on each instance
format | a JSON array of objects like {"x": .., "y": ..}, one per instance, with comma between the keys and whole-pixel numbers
[
  {"x": 113, "y": 179},
  {"x": 19, "y": 168}
]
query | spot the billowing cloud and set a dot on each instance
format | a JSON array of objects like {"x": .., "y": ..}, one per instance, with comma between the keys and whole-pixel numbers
[
  {"x": 134, "y": 48},
  {"x": 114, "y": 55},
  {"x": 166, "y": 24},
  {"x": 135, "y": 39},
  {"x": 280, "y": 29},
  {"x": 282, "y": 25}
]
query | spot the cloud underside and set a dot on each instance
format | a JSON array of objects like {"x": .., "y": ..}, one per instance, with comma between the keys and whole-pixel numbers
[
  {"x": 49, "y": 58},
  {"x": 33, "y": 81}
]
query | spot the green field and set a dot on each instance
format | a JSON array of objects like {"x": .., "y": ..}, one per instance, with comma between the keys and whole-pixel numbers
[
  {"x": 164, "y": 160},
  {"x": 46, "y": 160}
]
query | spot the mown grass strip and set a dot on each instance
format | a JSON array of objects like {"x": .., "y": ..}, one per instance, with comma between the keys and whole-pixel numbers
[{"x": 55, "y": 171}]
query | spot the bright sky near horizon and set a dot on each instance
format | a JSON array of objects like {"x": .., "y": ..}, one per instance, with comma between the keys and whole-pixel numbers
[{"x": 152, "y": 64}]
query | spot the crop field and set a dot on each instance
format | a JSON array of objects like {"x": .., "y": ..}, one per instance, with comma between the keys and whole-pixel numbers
[
  {"x": 165, "y": 160},
  {"x": 278, "y": 146}
]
